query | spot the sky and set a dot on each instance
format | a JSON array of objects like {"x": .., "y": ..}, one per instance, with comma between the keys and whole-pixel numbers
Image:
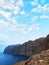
[{"x": 23, "y": 20}]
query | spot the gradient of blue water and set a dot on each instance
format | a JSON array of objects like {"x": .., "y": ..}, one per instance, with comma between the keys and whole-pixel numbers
[{"x": 7, "y": 59}]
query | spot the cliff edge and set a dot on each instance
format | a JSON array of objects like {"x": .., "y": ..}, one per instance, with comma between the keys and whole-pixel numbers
[{"x": 29, "y": 48}]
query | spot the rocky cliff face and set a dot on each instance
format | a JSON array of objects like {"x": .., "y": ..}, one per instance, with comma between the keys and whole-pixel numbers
[
  {"x": 29, "y": 48},
  {"x": 39, "y": 59}
]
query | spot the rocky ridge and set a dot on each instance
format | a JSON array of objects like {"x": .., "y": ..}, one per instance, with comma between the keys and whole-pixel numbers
[{"x": 29, "y": 48}]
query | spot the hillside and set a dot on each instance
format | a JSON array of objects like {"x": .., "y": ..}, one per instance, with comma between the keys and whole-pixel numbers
[
  {"x": 38, "y": 50},
  {"x": 39, "y": 59}
]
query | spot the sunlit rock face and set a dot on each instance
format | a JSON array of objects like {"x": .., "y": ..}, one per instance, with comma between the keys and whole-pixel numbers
[{"x": 29, "y": 48}]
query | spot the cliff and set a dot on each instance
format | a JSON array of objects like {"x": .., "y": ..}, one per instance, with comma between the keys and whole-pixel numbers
[
  {"x": 39, "y": 59},
  {"x": 29, "y": 48}
]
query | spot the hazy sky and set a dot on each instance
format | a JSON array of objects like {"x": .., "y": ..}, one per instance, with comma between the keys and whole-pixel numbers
[{"x": 23, "y": 20}]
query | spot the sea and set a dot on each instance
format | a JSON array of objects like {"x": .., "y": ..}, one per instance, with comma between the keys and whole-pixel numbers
[{"x": 8, "y": 59}]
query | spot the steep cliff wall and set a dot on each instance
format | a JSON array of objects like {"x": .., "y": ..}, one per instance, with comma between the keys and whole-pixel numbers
[{"x": 29, "y": 48}]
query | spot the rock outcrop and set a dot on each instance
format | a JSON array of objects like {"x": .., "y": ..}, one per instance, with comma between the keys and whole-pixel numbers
[{"x": 29, "y": 48}]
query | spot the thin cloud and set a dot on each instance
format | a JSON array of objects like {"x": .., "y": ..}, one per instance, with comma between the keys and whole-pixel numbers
[
  {"x": 4, "y": 24},
  {"x": 23, "y": 13},
  {"x": 20, "y": 3},
  {"x": 13, "y": 26},
  {"x": 41, "y": 9},
  {"x": 12, "y": 5},
  {"x": 19, "y": 27},
  {"x": 44, "y": 16},
  {"x": 34, "y": 18},
  {"x": 16, "y": 10},
  {"x": 7, "y": 4},
  {"x": 33, "y": 3},
  {"x": 33, "y": 27},
  {"x": 5, "y": 14}
]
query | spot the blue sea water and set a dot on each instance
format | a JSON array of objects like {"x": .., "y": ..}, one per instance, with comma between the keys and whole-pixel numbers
[{"x": 7, "y": 59}]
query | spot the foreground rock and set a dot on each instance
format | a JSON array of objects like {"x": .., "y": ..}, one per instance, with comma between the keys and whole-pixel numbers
[
  {"x": 29, "y": 48},
  {"x": 38, "y": 59}
]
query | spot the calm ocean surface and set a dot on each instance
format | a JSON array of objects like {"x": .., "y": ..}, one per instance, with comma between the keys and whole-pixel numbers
[{"x": 7, "y": 59}]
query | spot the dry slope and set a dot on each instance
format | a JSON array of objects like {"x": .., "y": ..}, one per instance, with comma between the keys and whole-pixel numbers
[{"x": 38, "y": 59}]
